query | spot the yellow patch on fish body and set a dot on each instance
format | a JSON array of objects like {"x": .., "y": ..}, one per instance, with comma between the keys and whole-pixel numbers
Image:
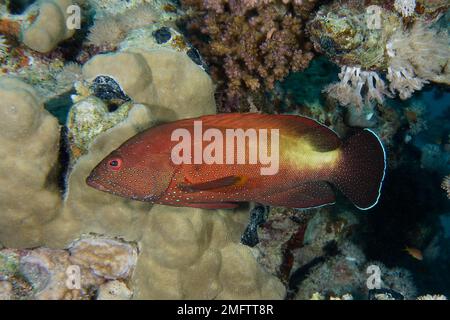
[{"x": 302, "y": 154}]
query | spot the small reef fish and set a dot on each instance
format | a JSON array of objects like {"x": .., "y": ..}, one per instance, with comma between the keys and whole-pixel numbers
[
  {"x": 414, "y": 252},
  {"x": 311, "y": 159}
]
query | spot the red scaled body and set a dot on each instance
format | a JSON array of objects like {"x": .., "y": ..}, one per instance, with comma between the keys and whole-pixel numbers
[{"x": 306, "y": 159}]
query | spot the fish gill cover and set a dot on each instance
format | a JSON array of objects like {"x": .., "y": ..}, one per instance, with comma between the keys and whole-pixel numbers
[{"x": 94, "y": 89}]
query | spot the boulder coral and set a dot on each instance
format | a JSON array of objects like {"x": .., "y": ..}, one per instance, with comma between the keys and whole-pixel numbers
[
  {"x": 42, "y": 26},
  {"x": 29, "y": 140},
  {"x": 153, "y": 75},
  {"x": 49, "y": 27}
]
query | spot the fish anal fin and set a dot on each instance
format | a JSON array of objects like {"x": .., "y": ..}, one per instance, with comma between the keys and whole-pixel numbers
[
  {"x": 213, "y": 184},
  {"x": 305, "y": 195}
]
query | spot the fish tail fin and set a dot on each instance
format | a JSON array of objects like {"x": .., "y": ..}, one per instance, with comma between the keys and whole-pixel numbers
[{"x": 361, "y": 171}]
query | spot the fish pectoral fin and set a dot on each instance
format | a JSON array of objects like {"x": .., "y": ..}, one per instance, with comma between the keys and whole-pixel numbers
[
  {"x": 213, "y": 184},
  {"x": 305, "y": 195}
]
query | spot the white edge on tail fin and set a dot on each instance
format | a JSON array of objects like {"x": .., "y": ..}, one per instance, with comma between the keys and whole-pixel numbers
[{"x": 384, "y": 172}]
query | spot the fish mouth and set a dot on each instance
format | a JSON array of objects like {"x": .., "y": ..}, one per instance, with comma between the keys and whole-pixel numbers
[
  {"x": 92, "y": 182},
  {"x": 116, "y": 190}
]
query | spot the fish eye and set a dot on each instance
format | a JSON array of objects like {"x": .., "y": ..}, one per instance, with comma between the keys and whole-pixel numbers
[{"x": 115, "y": 164}]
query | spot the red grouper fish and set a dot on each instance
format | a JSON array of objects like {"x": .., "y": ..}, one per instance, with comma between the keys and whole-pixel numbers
[{"x": 219, "y": 160}]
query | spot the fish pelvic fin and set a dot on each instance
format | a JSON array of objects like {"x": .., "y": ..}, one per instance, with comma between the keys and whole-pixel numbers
[{"x": 360, "y": 173}]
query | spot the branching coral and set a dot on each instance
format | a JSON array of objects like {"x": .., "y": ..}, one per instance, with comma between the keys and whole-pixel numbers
[{"x": 250, "y": 44}]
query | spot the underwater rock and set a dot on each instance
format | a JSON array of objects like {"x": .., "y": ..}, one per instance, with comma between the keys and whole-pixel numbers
[
  {"x": 92, "y": 264},
  {"x": 279, "y": 235},
  {"x": 29, "y": 139},
  {"x": 45, "y": 270},
  {"x": 151, "y": 78},
  {"x": 88, "y": 118},
  {"x": 114, "y": 290},
  {"x": 107, "y": 258},
  {"x": 135, "y": 81}
]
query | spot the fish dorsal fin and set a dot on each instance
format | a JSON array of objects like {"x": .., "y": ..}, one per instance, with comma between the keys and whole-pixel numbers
[
  {"x": 321, "y": 138},
  {"x": 213, "y": 184}
]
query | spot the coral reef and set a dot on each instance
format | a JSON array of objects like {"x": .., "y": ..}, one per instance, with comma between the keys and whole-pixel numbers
[
  {"x": 250, "y": 44},
  {"x": 411, "y": 56},
  {"x": 132, "y": 67}
]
